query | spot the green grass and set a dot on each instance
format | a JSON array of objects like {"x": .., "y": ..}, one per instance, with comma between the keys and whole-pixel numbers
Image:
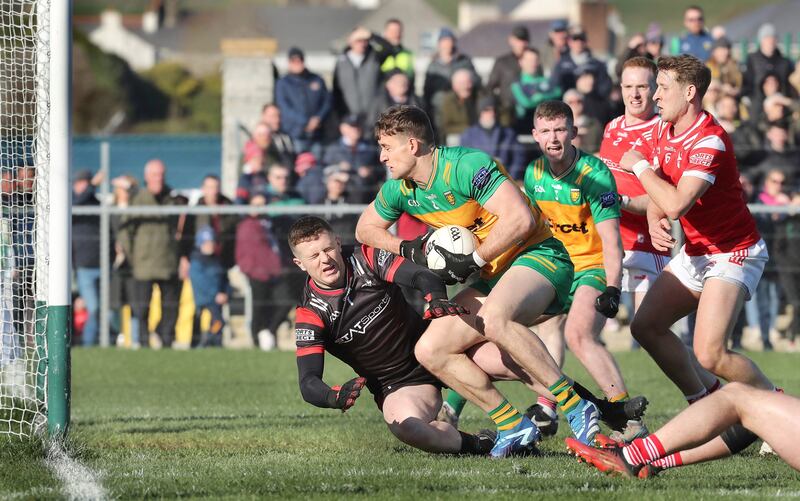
[{"x": 232, "y": 424}]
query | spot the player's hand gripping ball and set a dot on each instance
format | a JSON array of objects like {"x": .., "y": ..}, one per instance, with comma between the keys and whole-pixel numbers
[
  {"x": 347, "y": 394},
  {"x": 415, "y": 250},
  {"x": 449, "y": 252}
]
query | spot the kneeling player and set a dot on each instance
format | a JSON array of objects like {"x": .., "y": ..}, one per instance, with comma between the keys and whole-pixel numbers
[
  {"x": 766, "y": 413},
  {"x": 353, "y": 307}
]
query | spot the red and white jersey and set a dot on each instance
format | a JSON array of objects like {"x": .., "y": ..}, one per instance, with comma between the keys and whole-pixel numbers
[
  {"x": 719, "y": 221},
  {"x": 618, "y": 138}
]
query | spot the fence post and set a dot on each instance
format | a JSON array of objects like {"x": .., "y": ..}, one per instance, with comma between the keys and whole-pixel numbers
[{"x": 105, "y": 246}]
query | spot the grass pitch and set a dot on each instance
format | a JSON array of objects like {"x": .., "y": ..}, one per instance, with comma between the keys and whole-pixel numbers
[{"x": 232, "y": 424}]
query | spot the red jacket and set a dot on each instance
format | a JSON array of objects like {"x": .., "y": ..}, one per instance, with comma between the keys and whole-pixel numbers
[{"x": 255, "y": 254}]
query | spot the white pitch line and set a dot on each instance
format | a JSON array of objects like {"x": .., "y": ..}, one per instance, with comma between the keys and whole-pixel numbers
[{"x": 79, "y": 482}]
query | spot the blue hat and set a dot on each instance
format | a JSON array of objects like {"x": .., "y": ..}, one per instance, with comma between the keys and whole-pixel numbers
[
  {"x": 203, "y": 235},
  {"x": 446, "y": 32},
  {"x": 558, "y": 25}
]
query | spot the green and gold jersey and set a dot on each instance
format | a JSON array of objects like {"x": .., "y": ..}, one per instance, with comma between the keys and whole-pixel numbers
[
  {"x": 462, "y": 180},
  {"x": 574, "y": 203}
]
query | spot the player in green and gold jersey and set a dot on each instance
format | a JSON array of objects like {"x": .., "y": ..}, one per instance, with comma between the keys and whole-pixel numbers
[
  {"x": 525, "y": 272},
  {"x": 577, "y": 194}
]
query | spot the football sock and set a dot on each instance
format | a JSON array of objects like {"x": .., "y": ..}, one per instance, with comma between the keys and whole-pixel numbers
[
  {"x": 455, "y": 401},
  {"x": 672, "y": 461},
  {"x": 548, "y": 406},
  {"x": 643, "y": 450},
  {"x": 697, "y": 396},
  {"x": 619, "y": 398},
  {"x": 565, "y": 395},
  {"x": 714, "y": 387},
  {"x": 505, "y": 416}
]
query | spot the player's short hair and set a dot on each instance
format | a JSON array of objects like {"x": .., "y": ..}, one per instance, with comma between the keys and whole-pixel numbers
[
  {"x": 307, "y": 228},
  {"x": 641, "y": 62},
  {"x": 549, "y": 110},
  {"x": 693, "y": 7},
  {"x": 687, "y": 70},
  {"x": 408, "y": 120},
  {"x": 393, "y": 20}
]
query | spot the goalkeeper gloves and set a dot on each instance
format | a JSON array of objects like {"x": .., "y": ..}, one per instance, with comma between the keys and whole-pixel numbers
[
  {"x": 457, "y": 268},
  {"x": 607, "y": 303},
  {"x": 347, "y": 393},
  {"x": 441, "y": 306},
  {"x": 415, "y": 250}
]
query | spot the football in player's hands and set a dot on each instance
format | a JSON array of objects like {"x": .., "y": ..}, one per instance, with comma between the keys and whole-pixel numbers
[
  {"x": 348, "y": 393},
  {"x": 458, "y": 267}
]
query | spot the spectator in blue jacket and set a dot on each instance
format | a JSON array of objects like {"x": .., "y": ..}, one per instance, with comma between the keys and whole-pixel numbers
[
  {"x": 492, "y": 138},
  {"x": 697, "y": 41},
  {"x": 304, "y": 102},
  {"x": 579, "y": 57},
  {"x": 357, "y": 157},
  {"x": 210, "y": 285},
  {"x": 310, "y": 183}
]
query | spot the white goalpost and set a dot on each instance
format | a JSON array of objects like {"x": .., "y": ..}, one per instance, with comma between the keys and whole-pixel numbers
[{"x": 35, "y": 139}]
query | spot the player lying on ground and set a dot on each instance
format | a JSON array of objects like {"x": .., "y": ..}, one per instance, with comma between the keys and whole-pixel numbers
[
  {"x": 353, "y": 307},
  {"x": 576, "y": 192},
  {"x": 766, "y": 413},
  {"x": 525, "y": 272}
]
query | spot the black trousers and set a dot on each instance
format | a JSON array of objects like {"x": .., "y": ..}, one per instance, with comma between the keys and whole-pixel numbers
[
  {"x": 170, "y": 299},
  {"x": 272, "y": 302}
]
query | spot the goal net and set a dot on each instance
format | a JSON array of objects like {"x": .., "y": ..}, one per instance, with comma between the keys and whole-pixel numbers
[{"x": 25, "y": 172}]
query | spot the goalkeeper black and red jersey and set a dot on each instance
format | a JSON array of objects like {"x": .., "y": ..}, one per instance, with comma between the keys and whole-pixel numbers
[{"x": 367, "y": 324}]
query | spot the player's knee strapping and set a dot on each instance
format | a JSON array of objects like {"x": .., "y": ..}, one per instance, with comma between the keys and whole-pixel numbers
[{"x": 738, "y": 438}]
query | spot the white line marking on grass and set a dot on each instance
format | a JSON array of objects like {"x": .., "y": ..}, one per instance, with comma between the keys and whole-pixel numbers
[{"x": 79, "y": 482}]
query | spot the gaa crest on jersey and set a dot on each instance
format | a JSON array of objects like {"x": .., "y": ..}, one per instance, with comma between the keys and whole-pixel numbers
[
  {"x": 481, "y": 178},
  {"x": 574, "y": 194},
  {"x": 451, "y": 199}
]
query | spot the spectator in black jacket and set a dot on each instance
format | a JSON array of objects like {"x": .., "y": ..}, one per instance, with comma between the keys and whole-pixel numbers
[
  {"x": 86, "y": 252},
  {"x": 397, "y": 89},
  {"x": 565, "y": 73},
  {"x": 444, "y": 64},
  {"x": 765, "y": 61},
  {"x": 356, "y": 76},
  {"x": 498, "y": 141},
  {"x": 505, "y": 72}
]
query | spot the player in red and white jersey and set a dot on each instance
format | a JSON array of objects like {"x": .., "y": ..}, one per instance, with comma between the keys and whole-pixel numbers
[
  {"x": 691, "y": 175},
  {"x": 642, "y": 262}
]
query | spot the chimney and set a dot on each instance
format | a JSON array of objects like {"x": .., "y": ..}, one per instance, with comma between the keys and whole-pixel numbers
[{"x": 150, "y": 21}]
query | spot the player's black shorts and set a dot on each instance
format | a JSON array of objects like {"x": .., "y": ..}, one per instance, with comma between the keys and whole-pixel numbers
[{"x": 417, "y": 376}]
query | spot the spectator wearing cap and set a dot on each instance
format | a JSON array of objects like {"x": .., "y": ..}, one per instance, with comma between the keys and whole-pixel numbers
[
  {"x": 763, "y": 62},
  {"x": 530, "y": 89},
  {"x": 565, "y": 72},
  {"x": 444, "y": 63},
  {"x": 309, "y": 178},
  {"x": 459, "y": 107},
  {"x": 654, "y": 41},
  {"x": 724, "y": 68},
  {"x": 397, "y": 89},
  {"x": 391, "y": 52},
  {"x": 271, "y": 115},
  {"x": 357, "y": 156},
  {"x": 557, "y": 41},
  {"x": 210, "y": 286},
  {"x": 86, "y": 251},
  {"x": 493, "y": 138},
  {"x": 356, "y": 76},
  {"x": 590, "y": 130},
  {"x": 339, "y": 185},
  {"x": 506, "y": 71},
  {"x": 304, "y": 102},
  {"x": 696, "y": 40}
]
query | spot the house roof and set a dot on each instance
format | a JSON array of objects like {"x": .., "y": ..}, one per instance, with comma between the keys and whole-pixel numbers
[
  {"x": 489, "y": 39},
  {"x": 783, "y": 15}
]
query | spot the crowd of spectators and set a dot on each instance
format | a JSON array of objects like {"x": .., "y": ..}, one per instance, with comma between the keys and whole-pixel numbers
[{"x": 314, "y": 145}]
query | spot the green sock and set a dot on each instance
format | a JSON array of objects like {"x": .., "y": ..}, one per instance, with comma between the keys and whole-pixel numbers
[
  {"x": 505, "y": 416},
  {"x": 455, "y": 401},
  {"x": 565, "y": 395}
]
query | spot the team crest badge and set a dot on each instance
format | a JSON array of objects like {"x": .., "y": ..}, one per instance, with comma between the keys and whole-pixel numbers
[
  {"x": 451, "y": 199},
  {"x": 574, "y": 194}
]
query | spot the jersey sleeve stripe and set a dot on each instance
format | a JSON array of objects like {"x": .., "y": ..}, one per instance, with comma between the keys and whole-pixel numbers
[
  {"x": 393, "y": 268},
  {"x": 705, "y": 176},
  {"x": 310, "y": 350},
  {"x": 710, "y": 142},
  {"x": 306, "y": 316}
]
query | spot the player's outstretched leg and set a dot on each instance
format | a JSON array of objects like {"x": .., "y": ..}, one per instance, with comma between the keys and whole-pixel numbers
[
  {"x": 410, "y": 413},
  {"x": 766, "y": 413}
]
